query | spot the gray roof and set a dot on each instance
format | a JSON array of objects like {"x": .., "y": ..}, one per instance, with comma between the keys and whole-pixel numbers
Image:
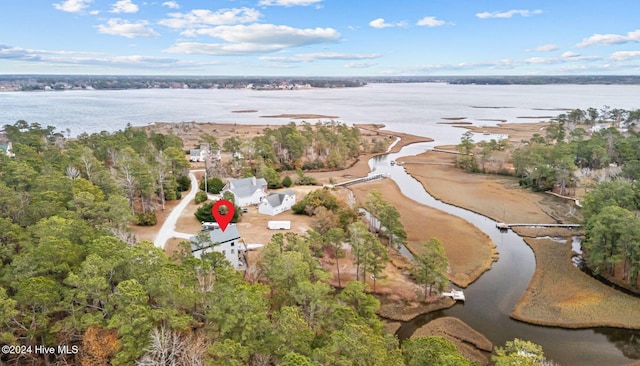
[
  {"x": 245, "y": 187},
  {"x": 194, "y": 152},
  {"x": 218, "y": 236},
  {"x": 276, "y": 199},
  {"x": 248, "y": 182},
  {"x": 245, "y": 191}
]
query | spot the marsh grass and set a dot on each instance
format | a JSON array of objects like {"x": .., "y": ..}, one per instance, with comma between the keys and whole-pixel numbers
[{"x": 561, "y": 295}]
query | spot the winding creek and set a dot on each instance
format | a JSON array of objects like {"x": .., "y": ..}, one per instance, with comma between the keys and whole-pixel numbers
[{"x": 493, "y": 296}]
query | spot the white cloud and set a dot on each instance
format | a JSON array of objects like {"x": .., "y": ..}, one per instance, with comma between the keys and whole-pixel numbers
[
  {"x": 171, "y": 4},
  {"x": 624, "y": 55},
  {"x": 381, "y": 23},
  {"x": 73, "y": 58},
  {"x": 610, "y": 39},
  {"x": 359, "y": 65},
  {"x": 203, "y": 17},
  {"x": 72, "y": 6},
  {"x": 124, "y": 6},
  {"x": 288, "y": 3},
  {"x": 570, "y": 54},
  {"x": 431, "y": 22},
  {"x": 311, "y": 57},
  {"x": 508, "y": 14},
  {"x": 546, "y": 48},
  {"x": 255, "y": 38},
  {"x": 120, "y": 27}
]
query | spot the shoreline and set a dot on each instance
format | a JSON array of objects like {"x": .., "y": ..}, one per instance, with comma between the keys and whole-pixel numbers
[
  {"x": 454, "y": 180},
  {"x": 501, "y": 199},
  {"x": 574, "y": 299}
]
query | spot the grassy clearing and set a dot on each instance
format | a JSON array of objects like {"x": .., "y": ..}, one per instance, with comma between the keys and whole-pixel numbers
[{"x": 561, "y": 295}]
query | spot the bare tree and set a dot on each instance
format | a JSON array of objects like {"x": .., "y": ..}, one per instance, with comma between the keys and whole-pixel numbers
[
  {"x": 170, "y": 348},
  {"x": 72, "y": 172}
]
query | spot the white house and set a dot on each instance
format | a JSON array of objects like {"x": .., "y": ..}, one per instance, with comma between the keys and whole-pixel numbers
[
  {"x": 247, "y": 191},
  {"x": 276, "y": 203},
  {"x": 197, "y": 154},
  {"x": 227, "y": 242}
]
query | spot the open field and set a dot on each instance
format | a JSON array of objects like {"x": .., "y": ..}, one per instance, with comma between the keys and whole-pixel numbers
[{"x": 561, "y": 295}]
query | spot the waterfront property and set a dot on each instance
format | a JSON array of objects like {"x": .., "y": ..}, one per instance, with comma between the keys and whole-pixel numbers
[
  {"x": 227, "y": 242},
  {"x": 247, "y": 191},
  {"x": 276, "y": 203}
]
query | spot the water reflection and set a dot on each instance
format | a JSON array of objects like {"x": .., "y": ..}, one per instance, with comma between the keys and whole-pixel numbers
[{"x": 493, "y": 296}]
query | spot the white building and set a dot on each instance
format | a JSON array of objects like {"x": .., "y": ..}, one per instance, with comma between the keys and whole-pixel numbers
[
  {"x": 247, "y": 191},
  {"x": 197, "y": 155},
  {"x": 276, "y": 203},
  {"x": 227, "y": 242}
]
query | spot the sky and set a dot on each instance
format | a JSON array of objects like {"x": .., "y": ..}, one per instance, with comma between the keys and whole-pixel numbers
[{"x": 320, "y": 37}]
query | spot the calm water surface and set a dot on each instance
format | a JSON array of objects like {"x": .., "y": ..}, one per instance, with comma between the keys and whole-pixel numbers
[
  {"x": 412, "y": 108},
  {"x": 491, "y": 299}
]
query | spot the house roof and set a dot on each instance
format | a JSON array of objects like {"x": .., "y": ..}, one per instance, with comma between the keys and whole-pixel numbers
[
  {"x": 276, "y": 199},
  {"x": 217, "y": 236},
  {"x": 194, "y": 152},
  {"x": 244, "y": 191},
  {"x": 246, "y": 187},
  {"x": 247, "y": 182}
]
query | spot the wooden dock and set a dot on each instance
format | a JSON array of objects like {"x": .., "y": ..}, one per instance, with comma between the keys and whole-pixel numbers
[
  {"x": 361, "y": 180},
  {"x": 504, "y": 226},
  {"x": 445, "y": 151}
]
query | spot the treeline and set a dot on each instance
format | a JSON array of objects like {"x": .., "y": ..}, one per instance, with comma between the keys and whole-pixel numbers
[
  {"x": 612, "y": 240},
  {"x": 329, "y": 145},
  {"x": 604, "y": 160},
  {"x": 568, "y": 150},
  {"x": 62, "y": 82},
  {"x": 65, "y": 279},
  {"x": 148, "y": 168},
  {"x": 553, "y": 159}
]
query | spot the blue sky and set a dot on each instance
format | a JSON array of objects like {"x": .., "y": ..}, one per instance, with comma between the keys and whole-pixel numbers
[{"x": 320, "y": 37}]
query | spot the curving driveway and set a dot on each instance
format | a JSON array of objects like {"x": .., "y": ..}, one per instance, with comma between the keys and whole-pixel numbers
[{"x": 168, "y": 229}]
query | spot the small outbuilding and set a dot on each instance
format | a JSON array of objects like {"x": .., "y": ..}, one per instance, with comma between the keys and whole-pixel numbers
[{"x": 276, "y": 203}]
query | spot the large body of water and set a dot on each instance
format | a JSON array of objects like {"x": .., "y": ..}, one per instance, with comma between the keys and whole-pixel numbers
[{"x": 411, "y": 108}]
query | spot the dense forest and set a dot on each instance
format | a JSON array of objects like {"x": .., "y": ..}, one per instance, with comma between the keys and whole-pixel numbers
[{"x": 75, "y": 288}]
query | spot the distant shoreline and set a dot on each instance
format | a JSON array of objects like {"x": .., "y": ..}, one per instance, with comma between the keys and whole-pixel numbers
[{"x": 13, "y": 83}]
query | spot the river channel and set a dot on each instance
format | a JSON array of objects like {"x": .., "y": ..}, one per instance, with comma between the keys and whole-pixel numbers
[{"x": 491, "y": 298}]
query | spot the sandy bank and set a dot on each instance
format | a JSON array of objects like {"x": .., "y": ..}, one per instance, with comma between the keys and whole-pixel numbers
[{"x": 561, "y": 295}]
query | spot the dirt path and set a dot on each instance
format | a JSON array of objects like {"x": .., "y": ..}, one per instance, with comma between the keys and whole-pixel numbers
[{"x": 167, "y": 231}]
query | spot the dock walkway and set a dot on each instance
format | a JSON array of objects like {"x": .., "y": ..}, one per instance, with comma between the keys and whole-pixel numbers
[
  {"x": 361, "y": 180},
  {"x": 504, "y": 226}
]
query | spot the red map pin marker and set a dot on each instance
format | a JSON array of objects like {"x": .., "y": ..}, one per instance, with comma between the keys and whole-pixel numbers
[{"x": 223, "y": 218}]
